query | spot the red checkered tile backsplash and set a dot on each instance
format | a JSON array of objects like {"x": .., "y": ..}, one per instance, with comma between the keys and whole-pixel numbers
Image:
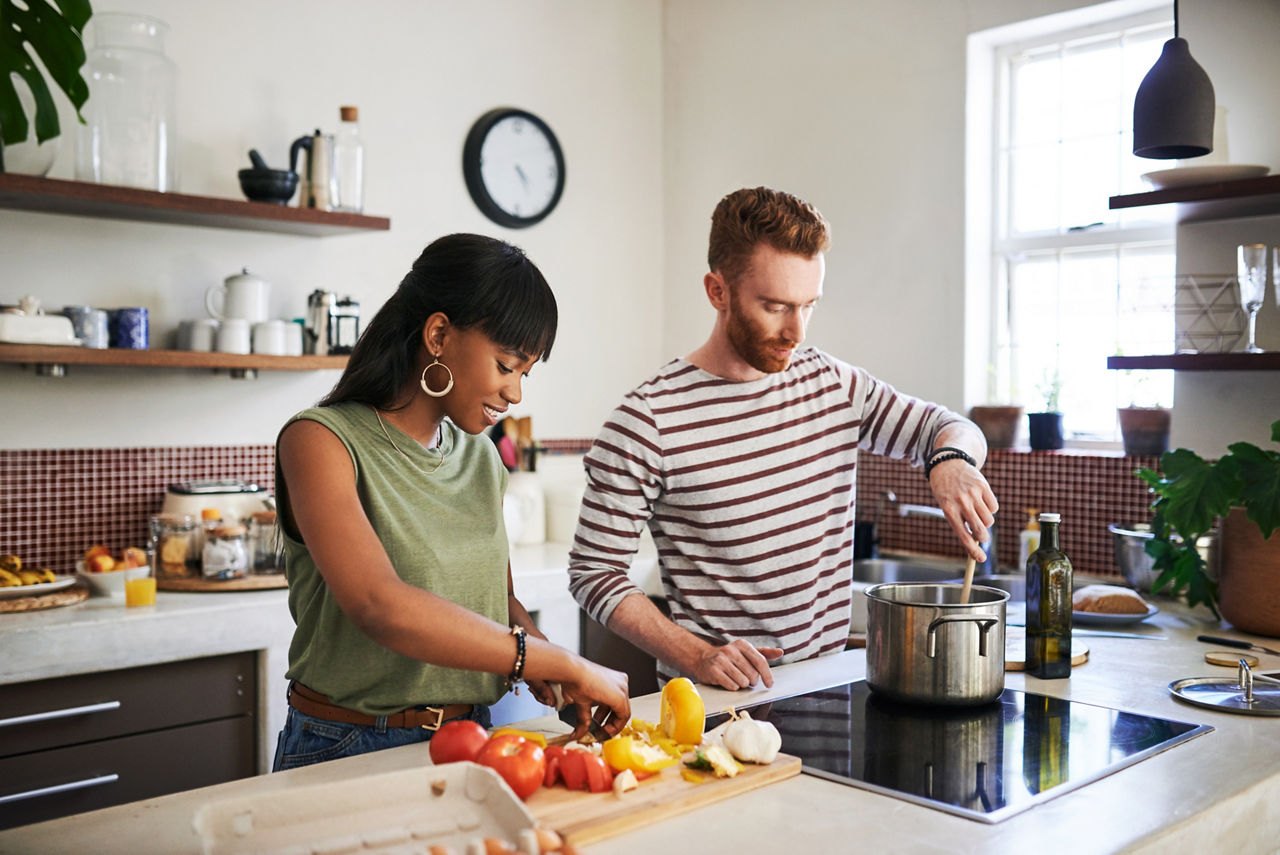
[
  {"x": 1091, "y": 491},
  {"x": 55, "y": 503}
]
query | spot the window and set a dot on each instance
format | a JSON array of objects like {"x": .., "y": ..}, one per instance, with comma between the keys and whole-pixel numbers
[{"x": 1068, "y": 281}]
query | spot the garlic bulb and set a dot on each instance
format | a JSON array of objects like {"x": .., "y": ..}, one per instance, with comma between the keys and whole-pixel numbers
[{"x": 752, "y": 741}]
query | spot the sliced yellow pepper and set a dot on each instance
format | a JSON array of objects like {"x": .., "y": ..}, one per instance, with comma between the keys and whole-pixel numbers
[
  {"x": 626, "y": 752},
  {"x": 529, "y": 735},
  {"x": 692, "y": 777},
  {"x": 683, "y": 714},
  {"x": 639, "y": 725}
]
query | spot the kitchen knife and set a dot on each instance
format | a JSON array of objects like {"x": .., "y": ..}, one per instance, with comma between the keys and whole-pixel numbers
[{"x": 1235, "y": 642}]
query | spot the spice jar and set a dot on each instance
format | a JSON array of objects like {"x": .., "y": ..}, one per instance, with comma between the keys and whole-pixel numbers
[
  {"x": 263, "y": 543},
  {"x": 175, "y": 546},
  {"x": 226, "y": 552}
]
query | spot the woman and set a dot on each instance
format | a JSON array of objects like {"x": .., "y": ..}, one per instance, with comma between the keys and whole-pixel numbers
[{"x": 390, "y": 501}]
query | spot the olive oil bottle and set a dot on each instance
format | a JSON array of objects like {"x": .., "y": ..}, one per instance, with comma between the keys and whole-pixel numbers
[{"x": 1049, "y": 605}]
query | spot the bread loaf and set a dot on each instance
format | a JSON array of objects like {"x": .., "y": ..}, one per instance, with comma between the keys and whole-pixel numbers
[{"x": 1108, "y": 599}]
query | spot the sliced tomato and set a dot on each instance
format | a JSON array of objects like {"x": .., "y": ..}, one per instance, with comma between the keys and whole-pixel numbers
[
  {"x": 553, "y": 754},
  {"x": 583, "y": 770}
]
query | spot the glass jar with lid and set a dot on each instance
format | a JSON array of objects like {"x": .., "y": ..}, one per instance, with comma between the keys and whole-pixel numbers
[
  {"x": 264, "y": 543},
  {"x": 175, "y": 546},
  {"x": 226, "y": 551}
]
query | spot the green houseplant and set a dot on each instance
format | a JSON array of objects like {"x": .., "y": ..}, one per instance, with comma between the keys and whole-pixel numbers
[
  {"x": 1191, "y": 493},
  {"x": 56, "y": 37},
  {"x": 1045, "y": 427}
]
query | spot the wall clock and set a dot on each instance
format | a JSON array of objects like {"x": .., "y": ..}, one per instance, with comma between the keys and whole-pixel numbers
[{"x": 513, "y": 167}]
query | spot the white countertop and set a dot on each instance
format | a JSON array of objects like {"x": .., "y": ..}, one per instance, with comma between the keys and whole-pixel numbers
[{"x": 1214, "y": 793}]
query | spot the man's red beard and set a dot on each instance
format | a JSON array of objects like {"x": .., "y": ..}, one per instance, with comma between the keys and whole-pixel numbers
[{"x": 748, "y": 340}]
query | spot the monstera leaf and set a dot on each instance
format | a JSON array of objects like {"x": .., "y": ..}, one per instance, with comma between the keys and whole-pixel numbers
[
  {"x": 54, "y": 34},
  {"x": 1190, "y": 493}
]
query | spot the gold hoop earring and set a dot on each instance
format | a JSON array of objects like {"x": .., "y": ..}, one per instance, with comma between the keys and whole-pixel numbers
[{"x": 423, "y": 382}]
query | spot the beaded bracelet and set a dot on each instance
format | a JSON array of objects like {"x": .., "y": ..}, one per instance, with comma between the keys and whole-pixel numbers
[
  {"x": 942, "y": 455},
  {"x": 517, "y": 670}
]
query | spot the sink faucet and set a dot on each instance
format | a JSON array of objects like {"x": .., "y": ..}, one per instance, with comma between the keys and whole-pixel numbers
[{"x": 988, "y": 567}]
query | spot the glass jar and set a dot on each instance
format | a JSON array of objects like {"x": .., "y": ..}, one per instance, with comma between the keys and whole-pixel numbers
[
  {"x": 175, "y": 546},
  {"x": 226, "y": 552},
  {"x": 129, "y": 135},
  {"x": 264, "y": 543}
]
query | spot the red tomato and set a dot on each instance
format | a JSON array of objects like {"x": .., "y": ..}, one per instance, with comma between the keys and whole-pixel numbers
[
  {"x": 457, "y": 740},
  {"x": 554, "y": 754},
  {"x": 583, "y": 770},
  {"x": 520, "y": 762}
]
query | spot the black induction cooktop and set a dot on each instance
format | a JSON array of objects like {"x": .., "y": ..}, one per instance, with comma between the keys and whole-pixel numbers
[{"x": 985, "y": 763}]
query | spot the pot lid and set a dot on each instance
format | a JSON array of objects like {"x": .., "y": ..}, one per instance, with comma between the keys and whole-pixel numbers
[{"x": 1250, "y": 696}]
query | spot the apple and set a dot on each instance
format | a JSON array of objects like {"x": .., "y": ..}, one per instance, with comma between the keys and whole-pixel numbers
[
  {"x": 100, "y": 562},
  {"x": 98, "y": 549},
  {"x": 132, "y": 556}
]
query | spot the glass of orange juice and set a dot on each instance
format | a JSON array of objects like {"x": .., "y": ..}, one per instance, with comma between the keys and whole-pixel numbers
[{"x": 140, "y": 586}]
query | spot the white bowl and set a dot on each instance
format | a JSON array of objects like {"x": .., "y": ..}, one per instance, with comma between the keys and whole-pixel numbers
[{"x": 110, "y": 584}]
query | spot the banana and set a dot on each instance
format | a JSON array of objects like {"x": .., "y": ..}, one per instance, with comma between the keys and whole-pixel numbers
[
  {"x": 12, "y": 563},
  {"x": 36, "y": 577},
  {"x": 9, "y": 580}
]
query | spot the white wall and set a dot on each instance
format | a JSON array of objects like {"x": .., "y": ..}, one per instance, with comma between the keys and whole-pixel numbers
[{"x": 255, "y": 74}]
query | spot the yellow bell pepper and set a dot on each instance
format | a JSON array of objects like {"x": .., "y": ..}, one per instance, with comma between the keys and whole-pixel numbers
[
  {"x": 529, "y": 735},
  {"x": 683, "y": 714},
  {"x": 626, "y": 752}
]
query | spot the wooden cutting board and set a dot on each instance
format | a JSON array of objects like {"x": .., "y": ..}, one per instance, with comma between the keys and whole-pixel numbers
[
  {"x": 74, "y": 594},
  {"x": 245, "y": 583},
  {"x": 1015, "y": 649},
  {"x": 583, "y": 817}
]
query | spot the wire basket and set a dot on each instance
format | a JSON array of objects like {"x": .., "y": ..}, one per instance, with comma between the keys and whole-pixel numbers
[{"x": 1208, "y": 317}]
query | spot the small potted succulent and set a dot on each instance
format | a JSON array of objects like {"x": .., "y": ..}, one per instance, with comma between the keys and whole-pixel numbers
[
  {"x": 1243, "y": 489},
  {"x": 1045, "y": 427},
  {"x": 1145, "y": 423}
]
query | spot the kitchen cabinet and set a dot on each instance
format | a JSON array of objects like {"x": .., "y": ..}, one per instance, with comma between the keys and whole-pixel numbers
[
  {"x": 78, "y": 743},
  {"x": 83, "y": 199}
]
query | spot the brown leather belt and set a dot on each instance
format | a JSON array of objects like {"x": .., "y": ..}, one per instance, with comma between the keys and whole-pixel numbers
[{"x": 312, "y": 703}]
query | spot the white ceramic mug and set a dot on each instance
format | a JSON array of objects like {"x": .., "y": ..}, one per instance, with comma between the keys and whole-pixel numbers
[
  {"x": 293, "y": 339},
  {"x": 202, "y": 334},
  {"x": 270, "y": 337},
  {"x": 233, "y": 336},
  {"x": 242, "y": 296}
]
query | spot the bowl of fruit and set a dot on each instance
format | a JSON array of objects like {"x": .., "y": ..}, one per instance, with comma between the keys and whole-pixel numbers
[{"x": 106, "y": 573}]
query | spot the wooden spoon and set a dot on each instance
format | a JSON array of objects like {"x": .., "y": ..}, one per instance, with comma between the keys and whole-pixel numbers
[{"x": 968, "y": 581}]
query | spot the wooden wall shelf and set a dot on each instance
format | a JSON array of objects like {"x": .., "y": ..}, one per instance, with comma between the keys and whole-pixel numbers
[
  {"x": 1219, "y": 200},
  {"x": 238, "y": 364},
  {"x": 1269, "y": 361},
  {"x": 82, "y": 199}
]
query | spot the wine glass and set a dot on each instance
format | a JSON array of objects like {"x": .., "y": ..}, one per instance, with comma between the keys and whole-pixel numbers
[{"x": 1251, "y": 273}]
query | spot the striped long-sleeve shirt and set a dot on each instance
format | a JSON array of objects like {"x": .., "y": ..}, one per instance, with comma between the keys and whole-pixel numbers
[{"x": 748, "y": 491}]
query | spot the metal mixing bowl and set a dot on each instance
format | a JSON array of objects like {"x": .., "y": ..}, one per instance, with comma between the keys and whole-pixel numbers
[{"x": 1129, "y": 543}]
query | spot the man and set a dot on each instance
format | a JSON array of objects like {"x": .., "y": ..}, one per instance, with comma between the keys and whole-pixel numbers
[{"x": 741, "y": 459}]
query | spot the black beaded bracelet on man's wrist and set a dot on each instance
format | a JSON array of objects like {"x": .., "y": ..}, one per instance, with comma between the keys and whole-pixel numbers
[
  {"x": 942, "y": 455},
  {"x": 517, "y": 670}
]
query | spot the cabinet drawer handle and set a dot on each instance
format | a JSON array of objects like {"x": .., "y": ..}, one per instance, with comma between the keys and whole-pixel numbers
[
  {"x": 61, "y": 788},
  {"x": 52, "y": 714}
]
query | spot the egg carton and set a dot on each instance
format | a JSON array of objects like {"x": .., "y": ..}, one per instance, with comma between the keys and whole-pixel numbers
[{"x": 396, "y": 813}]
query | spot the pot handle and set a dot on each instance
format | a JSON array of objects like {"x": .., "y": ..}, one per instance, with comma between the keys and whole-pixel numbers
[{"x": 984, "y": 622}]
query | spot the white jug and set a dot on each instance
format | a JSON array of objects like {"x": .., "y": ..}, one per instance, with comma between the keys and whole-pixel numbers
[{"x": 242, "y": 296}]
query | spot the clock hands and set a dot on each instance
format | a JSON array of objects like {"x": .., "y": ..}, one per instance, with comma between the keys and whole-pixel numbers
[{"x": 523, "y": 178}]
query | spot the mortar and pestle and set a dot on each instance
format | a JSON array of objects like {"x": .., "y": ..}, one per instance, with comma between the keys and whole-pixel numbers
[{"x": 263, "y": 184}]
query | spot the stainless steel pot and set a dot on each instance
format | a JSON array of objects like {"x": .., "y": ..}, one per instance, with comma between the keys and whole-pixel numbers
[{"x": 925, "y": 646}]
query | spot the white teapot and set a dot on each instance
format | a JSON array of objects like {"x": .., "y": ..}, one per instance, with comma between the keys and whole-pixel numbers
[{"x": 242, "y": 295}]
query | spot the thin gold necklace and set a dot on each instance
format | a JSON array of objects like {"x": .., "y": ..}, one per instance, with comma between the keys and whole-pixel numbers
[{"x": 440, "y": 444}]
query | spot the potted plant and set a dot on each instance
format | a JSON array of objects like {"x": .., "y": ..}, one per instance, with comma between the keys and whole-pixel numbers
[
  {"x": 1243, "y": 488},
  {"x": 56, "y": 37},
  {"x": 998, "y": 423},
  {"x": 1046, "y": 426},
  {"x": 1144, "y": 424}
]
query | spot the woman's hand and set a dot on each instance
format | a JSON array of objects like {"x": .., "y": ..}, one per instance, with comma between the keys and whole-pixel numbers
[{"x": 605, "y": 690}]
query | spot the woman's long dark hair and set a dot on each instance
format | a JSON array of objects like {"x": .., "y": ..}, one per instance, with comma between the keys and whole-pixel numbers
[{"x": 478, "y": 282}]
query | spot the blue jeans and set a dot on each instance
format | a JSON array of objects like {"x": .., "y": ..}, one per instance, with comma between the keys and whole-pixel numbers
[{"x": 306, "y": 739}]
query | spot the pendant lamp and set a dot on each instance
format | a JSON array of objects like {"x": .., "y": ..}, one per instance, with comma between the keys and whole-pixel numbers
[{"x": 1173, "y": 110}]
